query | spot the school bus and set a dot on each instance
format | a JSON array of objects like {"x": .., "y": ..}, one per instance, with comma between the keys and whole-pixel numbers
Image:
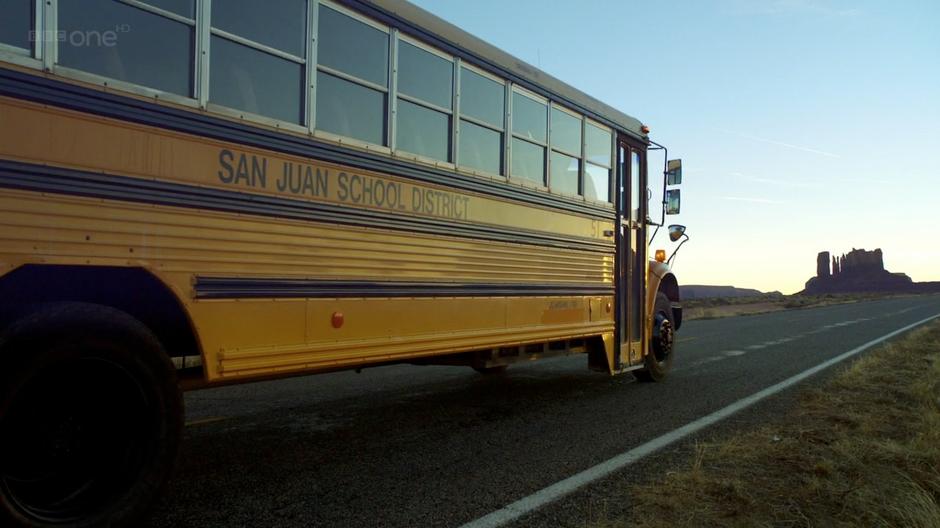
[{"x": 201, "y": 192}]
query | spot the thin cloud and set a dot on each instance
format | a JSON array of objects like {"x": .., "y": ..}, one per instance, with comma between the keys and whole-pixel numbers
[
  {"x": 793, "y": 7},
  {"x": 781, "y": 143},
  {"x": 751, "y": 200},
  {"x": 787, "y": 183},
  {"x": 869, "y": 180},
  {"x": 779, "y": 183}
]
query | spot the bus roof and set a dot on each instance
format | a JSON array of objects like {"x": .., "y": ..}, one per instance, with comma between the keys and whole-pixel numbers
[{"x": 423, "y": 24}]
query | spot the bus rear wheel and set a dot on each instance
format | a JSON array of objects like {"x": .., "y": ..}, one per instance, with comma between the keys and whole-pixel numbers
[
  {"x": 90, "y": 418},
  {"x": 659, "y": 357}
]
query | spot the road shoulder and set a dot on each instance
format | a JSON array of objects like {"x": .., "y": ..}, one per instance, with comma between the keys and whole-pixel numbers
[{"x": 861, "y": 450}]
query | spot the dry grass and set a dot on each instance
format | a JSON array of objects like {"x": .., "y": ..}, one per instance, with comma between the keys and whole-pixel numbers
[
  {"x": 862, "y": 451},
  {"x": 730, "y": 310},
  {"x": 718, "y": 307}
]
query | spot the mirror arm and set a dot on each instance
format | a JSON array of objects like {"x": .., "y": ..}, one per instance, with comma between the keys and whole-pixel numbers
[
  {"x": 685, "y": 238},
  {"x": 665, "y": 173},
  {"x": 653, "y": 237}
]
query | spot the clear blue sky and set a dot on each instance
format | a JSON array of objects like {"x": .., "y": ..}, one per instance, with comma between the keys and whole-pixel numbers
[{"x": 803, "y": 125}]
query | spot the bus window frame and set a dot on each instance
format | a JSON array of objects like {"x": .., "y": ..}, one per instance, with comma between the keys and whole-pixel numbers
[
  {"x": 611, "y": 178},
  {"x": 553, "y": 105},
  {"x": 20, "y": 56},
  {"x": 504, "y": 169},
  {"x": 44, "y": 56},
  {"x": 525, "y": 182},
  {"x": 455, "y": 66},
  {"x": 31, "y": 58},
  {"x": 389, "y": 91},
  {"x": 307, "y": 93},
  {"x": 48, "y": 20}
]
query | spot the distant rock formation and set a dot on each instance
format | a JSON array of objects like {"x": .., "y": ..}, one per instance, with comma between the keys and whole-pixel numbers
[
  {"x": 861, "y": 261},
  {"x": 822, "y": 264},
  {"x": 860, "y": 271}
]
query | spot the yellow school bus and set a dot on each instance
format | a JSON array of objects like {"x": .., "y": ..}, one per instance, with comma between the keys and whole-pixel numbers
[{"x": 201, "y": 192}]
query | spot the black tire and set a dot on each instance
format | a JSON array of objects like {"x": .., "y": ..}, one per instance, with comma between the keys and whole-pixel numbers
[
  {"x": 489, "y": 371},
  {"x": 658, "y": 359},
  {"x": 90, "y": 418}
]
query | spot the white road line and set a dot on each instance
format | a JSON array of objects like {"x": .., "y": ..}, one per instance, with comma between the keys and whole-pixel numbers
[
  {"x": 701, "y": 362},
  {"x": 733, "y": 353},
  {"x": 564, "y": 487}
]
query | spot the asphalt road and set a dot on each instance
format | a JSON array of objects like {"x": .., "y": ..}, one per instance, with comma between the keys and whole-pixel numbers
[{"x": 408, "y": 446}]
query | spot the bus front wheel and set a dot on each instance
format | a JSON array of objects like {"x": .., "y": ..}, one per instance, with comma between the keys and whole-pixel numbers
[
  {"x": 661, "y": 351},
  {"x": 90, "y": 418}
]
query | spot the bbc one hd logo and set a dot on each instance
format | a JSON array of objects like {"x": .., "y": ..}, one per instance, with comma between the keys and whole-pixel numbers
[{"x": 82, "y": 38}]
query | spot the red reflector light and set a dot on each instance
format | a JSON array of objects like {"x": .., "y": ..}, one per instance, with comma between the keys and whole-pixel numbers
[{"x": 337, "y": 319}]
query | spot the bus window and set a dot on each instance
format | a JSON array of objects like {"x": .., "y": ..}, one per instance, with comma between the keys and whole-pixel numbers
[
  {"x": 596, "y": 182},
  {"x": 16, "y": 24},
  {"x": 597, "y": 156},
  {"x": 258, "y": 77},
  {"x": 528, "y": 161},
  {"x": 482, "y": 112},
  {"x": 183, "y": 8},
  {"x": 425, "y": 88},
  {"x": 566, "y": 152},
  {"x": 157, "y": 53},
  {"x": 352, "y": 77},
  {"x": 481, "y": 98},
  {"x": 256, "y": 82},
  {"x": 424, "y": 75},
  {"x": 566, "y": 132},
  {"x": 529, "y": 118},
  {"x": 423, "y": 131},
  {"x": 350, "y": 109},
  {"x": 480, "y": 147},
  {"x": 530, "y": 130},
  {"x": 565, "y": 171},
  {"x": 280, "y": 25}
]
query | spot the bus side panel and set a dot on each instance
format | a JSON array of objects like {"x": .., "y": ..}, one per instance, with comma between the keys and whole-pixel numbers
[
  {"x": 252, "y": 335},
  {"x": 84, "y": 190},
  {"x": 34, "y": 133}
]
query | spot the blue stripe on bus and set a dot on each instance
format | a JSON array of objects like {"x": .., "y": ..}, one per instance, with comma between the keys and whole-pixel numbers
[
  {"x": 44, "y": 178},
  {"x": 237, "y": 288},
  {"x": 61, "y": 94}
]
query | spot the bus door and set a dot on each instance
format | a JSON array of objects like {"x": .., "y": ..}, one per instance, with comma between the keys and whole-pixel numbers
[{"x": 631, "y": 252}]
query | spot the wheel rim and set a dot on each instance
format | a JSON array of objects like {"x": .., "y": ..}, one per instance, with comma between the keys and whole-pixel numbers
[
  {"x": 663, "y": 336},
  {"x": 74, "y": 439}
]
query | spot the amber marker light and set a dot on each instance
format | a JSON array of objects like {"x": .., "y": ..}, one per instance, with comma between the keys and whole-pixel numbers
[
  {"x": 645, "y": 129},
  {"x": 660, "y": 255}
]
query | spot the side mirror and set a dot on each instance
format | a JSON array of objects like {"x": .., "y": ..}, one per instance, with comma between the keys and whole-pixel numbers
[
  {"x": 672, "y": 202},
  {"x": 676, "y": 231},
  {"x": 674, "y": 172}
]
